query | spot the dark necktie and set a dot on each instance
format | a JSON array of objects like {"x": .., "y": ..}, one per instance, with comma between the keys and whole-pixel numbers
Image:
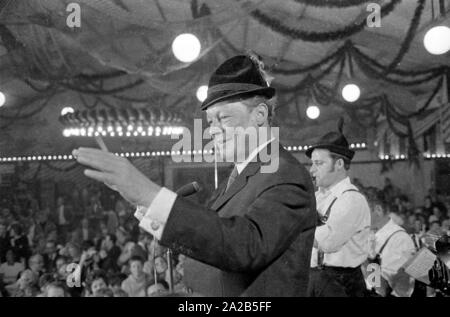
[{"x": 232, "y": 177}]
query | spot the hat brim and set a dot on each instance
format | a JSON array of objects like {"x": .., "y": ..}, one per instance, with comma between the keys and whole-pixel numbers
[
  {"x": 268, "y": 92},
  {"x": 346, "y": 152}
]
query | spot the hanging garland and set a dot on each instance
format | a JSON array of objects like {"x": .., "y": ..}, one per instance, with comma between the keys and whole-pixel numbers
[
  {"x": 85, "y": 103},
  {"x": 103, "y": 91},
  {"x": 36, "y": 88},
  {"x": 107, "y": 104},
  {"x": 389, "y": 118},
  {"x": 435, "y": 71},
  {"x": 330, "y": 95},
  {"x": 295, "y": 71},
  {"x": 296, "y": 34},
  {"x": 413, "y": 151},
  {"x": 408, "y": 38},
  {"x": 310, "y": 80},
  {"x": 322, "y": 98},
  {"x": 370, "y": 71},
  {"x": 339, "y": 75},
  {"x": 20, "y": 116},
  {"x": 133, "y": 99},
  {"x": 381, "y": 70},
  {"x": 428, "y": 102},
  {"x": 332, "y": 3},
  {"x": 109, "y": 75}
]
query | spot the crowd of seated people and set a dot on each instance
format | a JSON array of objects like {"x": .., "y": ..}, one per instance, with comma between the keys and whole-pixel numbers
[
  {"x": 90, "y": 244},
  {"x": 427, "y": 219},
  {"x": 424, "y": 222}
]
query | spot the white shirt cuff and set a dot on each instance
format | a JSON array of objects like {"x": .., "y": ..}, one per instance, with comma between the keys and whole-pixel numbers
[{"x": 154, "y": 218}]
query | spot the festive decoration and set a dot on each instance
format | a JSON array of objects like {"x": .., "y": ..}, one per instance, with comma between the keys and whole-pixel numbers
[
  {"x": 313, "y": 112},
  {"x": 296, "y": 34},
  {"x": 2, "y": 99},
  {"x": 409, "y": 36},
  {"x": 186, "y": 47},
  {"x": 333, "y": 3},
  {"x": 403, "y": 157},
  {"x": 351, "y": 92},
  {"x": 95, "y": 89},
  {"x": 202, "y": 93},
  {"x": 66, "y": 110},
  {"x": 393, "y": 157},
  {"x": 151, "y": 121},
  {"x": 437, "y": 40},
  {"x": 65, "y": 157}
]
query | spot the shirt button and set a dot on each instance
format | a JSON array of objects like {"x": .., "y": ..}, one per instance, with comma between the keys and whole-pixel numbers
[{"x": 155, "y": 226}]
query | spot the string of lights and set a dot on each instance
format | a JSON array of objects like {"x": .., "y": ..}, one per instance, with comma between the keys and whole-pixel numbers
[
  {"x": 150, "y": 154},
  {"x": 403, "y": 157},
  {"x": 130, "y": 122},
  {"x": 68, "y": 157}
]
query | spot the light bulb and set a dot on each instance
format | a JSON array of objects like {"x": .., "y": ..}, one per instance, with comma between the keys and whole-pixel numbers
[
  {"x": 66, "y": 110},
  {"x": 202, "y": 93},
  {"x": 351, "y": 92},
  {"x": 186, "y": 47},
  {"x": 313, "y": 112},
  {"x": 437, "y": 40}
]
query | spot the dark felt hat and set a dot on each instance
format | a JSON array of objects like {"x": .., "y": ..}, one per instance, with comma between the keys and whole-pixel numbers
[
  {"x": 335, "y": 142},
  {"x": 239, "y": 76}
]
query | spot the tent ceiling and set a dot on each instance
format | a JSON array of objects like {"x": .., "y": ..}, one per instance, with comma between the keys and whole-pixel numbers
[{"x": 133, "y": 39}]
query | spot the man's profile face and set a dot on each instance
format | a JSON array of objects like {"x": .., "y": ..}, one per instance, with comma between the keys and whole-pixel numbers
[
  {"x": 322, "y": 169},
  {"x": 223, "y": 115}
]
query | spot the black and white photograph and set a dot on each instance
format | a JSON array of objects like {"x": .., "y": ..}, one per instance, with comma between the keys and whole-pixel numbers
[{"x": 245, "y": 150}]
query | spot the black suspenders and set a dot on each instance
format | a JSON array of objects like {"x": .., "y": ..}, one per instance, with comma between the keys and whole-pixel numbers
[{"x": 322, "y": 220}]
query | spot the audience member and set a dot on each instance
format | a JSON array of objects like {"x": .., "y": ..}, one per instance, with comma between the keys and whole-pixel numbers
[{"x": 136, "y": 283}]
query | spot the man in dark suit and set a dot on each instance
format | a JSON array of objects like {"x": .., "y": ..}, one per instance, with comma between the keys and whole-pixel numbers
[{"x": 255, "y": 236}]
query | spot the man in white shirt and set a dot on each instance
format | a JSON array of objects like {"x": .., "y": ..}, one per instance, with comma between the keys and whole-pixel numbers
[
  {"x": 9, "y": 271},
  {"x": 392, "y": 248},
  {"x": 255, "y": 236},
  {"x": 341, "y": 238}
]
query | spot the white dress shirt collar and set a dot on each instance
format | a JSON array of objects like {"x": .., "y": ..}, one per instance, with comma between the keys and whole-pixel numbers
[
  {"x": 384, "y": 232},
  {"x": 240, "y": 166},
  {"x": 337, "y": 189}
]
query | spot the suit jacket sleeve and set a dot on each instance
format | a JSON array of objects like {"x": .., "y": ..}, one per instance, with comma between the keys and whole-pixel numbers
[{"x": 241, "y": 243}]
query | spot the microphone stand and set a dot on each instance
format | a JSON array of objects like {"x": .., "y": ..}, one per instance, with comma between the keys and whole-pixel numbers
[
  {"x": 169, "y": 252},
  {"x": 169, "y": 267}
]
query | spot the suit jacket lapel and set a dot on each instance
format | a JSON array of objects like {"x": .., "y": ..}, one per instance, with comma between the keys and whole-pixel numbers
[
  {"x": 217, "y": 193},
  {"x": 238, "y": 184}
]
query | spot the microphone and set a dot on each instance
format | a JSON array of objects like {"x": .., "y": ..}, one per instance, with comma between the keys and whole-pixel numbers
[{"x": 188, "y": 189}]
